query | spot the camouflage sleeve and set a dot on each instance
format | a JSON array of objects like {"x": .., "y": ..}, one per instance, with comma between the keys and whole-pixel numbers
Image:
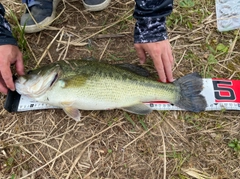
[
  {"x": 151, "y": 16},
  {"x": 6, "y": 36}
]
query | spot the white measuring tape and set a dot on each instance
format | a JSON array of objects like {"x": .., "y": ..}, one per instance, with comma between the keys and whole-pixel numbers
[{"x": 219, "y": 93}]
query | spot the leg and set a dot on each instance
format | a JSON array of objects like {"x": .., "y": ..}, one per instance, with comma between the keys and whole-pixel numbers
[
  {"x": 41, "y": 14},
  {"x": 96, "y": 5}
]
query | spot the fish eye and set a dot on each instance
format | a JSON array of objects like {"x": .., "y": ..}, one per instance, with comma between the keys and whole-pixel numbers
[{"x": 29, "y": 72}]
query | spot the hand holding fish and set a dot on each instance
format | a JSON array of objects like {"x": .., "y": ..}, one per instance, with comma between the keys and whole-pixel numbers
[
  {"x": 9, "y": 54},
  {"x": 161, "y": 55}
]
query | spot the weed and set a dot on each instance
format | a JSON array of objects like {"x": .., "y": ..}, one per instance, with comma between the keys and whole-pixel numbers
[
  {"x": 180, "y": 157},
  {"x": 214, "y": 53},
  {"x": 235, "y": 145},
  {"x": 186, "y": 3},
  {"x": 174, "y": 19},
  {"x": 110, "y": 151},
  {"x": 13, "y": 176},
  {"x": 18, "y": 33},
  {"x": 110, "y": 123},
  {"x": 129, "y": 119},
  {"x": 10, "y": 162},
  {"x": 140, "y": 118},
  {"x": 123, "y": 26},
  {"x": 212, "y": 60},
  {"x": 222, "y": 48}
]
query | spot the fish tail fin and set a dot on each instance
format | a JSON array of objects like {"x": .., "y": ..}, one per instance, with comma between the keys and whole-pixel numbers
[{"x": 190, "y": 99}]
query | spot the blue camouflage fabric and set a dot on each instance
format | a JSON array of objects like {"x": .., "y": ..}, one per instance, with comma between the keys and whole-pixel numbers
[
  {"x": 151, "y": 17},
  {"x": 6, "y": 36}
]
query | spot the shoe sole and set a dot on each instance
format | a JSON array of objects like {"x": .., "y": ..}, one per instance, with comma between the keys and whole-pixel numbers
[
  {"x": 98, "y": 7},
  {"x": 45, "y": 23}
]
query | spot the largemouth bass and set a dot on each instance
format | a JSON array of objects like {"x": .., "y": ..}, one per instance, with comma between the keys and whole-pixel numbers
[{"x": 91, "y": 85}]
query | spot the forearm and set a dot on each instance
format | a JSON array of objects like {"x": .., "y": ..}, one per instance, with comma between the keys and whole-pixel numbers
[
  {"x": 6, "y": 36},
  {"x": 151, "y": 17}
]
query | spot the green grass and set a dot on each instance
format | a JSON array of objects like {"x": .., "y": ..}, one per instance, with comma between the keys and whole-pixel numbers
[
  {"x": 235, "y": 145},
  {"x": 19, "y": 34}
]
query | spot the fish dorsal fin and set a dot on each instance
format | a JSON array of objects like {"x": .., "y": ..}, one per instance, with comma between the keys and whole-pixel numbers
[
  {"x": 134, "y": 68},
  {"x": 139, "y": 108}
]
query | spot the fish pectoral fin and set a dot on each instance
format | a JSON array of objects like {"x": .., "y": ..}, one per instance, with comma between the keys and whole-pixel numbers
[
  {"x": 73, "y": 113},
  {"x": 138, "y": 109}
]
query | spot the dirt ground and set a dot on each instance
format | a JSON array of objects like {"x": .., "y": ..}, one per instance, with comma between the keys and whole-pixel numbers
[{"x": 115, "y": 144}]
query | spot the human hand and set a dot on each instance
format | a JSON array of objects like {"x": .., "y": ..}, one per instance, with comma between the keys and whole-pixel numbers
[
  {"x": 161, "y": 55},
  {"x": 9, "y": 54}
]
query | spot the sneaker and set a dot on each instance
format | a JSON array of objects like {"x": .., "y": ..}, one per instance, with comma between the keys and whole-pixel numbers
[
  {"x": 43, "y": 12},
  {"x": 96, "y": 5}
]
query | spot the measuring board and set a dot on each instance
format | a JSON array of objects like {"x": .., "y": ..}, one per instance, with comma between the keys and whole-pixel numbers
[{"x": 219, "y": 93}]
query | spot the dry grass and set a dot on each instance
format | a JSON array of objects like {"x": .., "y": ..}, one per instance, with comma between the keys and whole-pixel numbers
[{"x": 114, "y": 144}]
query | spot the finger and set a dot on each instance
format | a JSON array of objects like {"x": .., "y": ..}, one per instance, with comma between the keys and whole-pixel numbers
[
  {"x": 160, "y": 68},
  {"x": 170, "y": 57},
  {"x": 167, "y": 67},
  {"x": 167, "y": 50},
  {"x": 140, "y": 53},
  {"x": 19, "y": 64},
  {"x": 3, "y": 88},
  {"x": 7, "y": 76}
]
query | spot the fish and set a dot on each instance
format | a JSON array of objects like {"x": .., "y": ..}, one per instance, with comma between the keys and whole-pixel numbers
[{"x": 75, "y": 85}]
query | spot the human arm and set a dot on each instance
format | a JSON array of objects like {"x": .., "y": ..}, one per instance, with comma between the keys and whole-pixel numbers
[
  {"x": 9, "y": 54},
  {"x": 150, "y": 35}
]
